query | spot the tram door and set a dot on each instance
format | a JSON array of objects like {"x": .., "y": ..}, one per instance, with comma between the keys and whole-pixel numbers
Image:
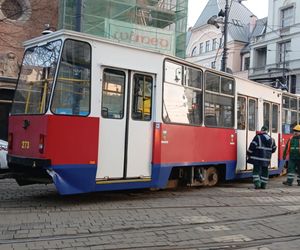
[
  {"x": 246, "y": 129},
  {"x": 271, "y": 120},
  {"x": 125, "y": 137}
]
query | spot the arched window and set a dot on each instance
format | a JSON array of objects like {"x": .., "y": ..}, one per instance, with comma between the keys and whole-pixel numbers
[
  {"x": 15, "y": 10},
  {"x": 194, "y": 51}
]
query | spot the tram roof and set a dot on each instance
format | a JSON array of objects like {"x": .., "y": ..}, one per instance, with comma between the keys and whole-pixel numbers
[{"x": 87, "y": 37}]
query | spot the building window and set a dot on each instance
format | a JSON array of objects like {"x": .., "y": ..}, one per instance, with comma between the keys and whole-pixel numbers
[
  {"x": 214, "y": 44},
  {"x": 287, "y": 16},
  {"x": 246, "y": 63},
  {"x": 207, "y": 46},
  {"x": 213, "y": 65},
  {"x": 201, "y": 48},
  {"x": 284, "y": 49},
  {"x": 221, "y": 43},
  {"x": 194, "y": 51}
]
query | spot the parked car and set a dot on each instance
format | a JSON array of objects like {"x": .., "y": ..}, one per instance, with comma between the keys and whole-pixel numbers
[{"x": 3, "y": 153}]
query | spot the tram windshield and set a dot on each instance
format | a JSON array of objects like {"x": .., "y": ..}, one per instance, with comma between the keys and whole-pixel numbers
[{"x": 36, "y": 79}]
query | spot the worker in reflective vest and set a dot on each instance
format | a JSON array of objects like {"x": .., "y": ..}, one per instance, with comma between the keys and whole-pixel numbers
[
  {"x": 292, "y": 151},
  {"x": 259, "y": 154}
]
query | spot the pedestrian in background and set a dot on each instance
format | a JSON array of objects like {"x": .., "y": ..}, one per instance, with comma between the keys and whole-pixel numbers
[
  {"x": 259, "y": 154},
  {"x": 292, "y": 151}
]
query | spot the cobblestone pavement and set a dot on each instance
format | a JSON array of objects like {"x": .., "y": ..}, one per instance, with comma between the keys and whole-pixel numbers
[{"x": 230, "y": 216}]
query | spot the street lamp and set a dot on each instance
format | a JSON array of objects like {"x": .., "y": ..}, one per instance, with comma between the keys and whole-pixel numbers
[{"x": 222, "y": 18}]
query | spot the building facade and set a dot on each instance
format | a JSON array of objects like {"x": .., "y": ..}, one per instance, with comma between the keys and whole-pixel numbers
[
  {"x": 205, "y": 43},
  {"x": 275, "y": 55},
  {"x": 20, "y": 21},
  {"x": 154, "y": 24}
]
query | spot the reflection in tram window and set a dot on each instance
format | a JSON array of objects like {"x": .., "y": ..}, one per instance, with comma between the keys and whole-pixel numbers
[
  {"x": 289, "y": 114},
  {"x": 266, "y": 114},
  {"x": 33, "y": 91},
  {"x": 142, "y": 98},
  {"x": 252, "y": 115},
  {"x": 113, "y": 85},
  {"x": 72, "y": 91},
  {"x": 275, "y": 115},
  {"x": 219, "y": 101},
  {"x": 241, "y": 113},
  {"x": 182, "y": 103}
]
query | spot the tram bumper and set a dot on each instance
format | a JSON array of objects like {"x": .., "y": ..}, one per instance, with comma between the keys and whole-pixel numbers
[{"x": 28, "y": 171}]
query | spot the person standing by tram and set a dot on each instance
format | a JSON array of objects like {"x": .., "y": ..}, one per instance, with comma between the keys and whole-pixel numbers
[
  {"x": 259, "y": 154},
  {"x": 292, "y": 149}
]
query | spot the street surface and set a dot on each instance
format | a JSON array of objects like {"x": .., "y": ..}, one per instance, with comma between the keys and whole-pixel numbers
[{"x": 230, "y": 216}]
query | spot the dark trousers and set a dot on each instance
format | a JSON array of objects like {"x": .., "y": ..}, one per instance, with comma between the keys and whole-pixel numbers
[
  {"x": 293, "y": 167},
  {"x": 260, "y": 176}
]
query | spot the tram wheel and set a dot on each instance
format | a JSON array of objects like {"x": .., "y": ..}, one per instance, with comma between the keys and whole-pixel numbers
[{"x": 212, "y": 177}]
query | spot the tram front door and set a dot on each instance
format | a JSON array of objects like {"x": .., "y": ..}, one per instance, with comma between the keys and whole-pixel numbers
[{"x": 126, "y": 127}]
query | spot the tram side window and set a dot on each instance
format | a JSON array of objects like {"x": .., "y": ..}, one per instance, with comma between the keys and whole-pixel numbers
[
  {"x": 252, "y": 115},
  {"x": 182, "y": 103},
  {"x": 142, "y": 97},
  {"x": 289, "y": 114},
  {"x": 219, "y": 101},
  {"x": 173, "y": 73},
  {"x": 266, "y": 112},
  {"x": 241, "y": 113},
  {"x": 113, "y": 89},
  {"x": 72, "y": 91},
  {"x": 275, "y": 112}
]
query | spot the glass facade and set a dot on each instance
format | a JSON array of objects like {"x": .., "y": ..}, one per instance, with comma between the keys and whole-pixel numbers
[{"x": 152, "y": 24}]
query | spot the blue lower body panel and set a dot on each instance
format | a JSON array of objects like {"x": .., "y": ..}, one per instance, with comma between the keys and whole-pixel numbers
[{"x": 75, "y": 179}]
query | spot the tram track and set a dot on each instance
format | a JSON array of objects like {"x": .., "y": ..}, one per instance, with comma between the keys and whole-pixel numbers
[
  {"x": 67, "y": 210},
  {"x": 137, "y": 229}
]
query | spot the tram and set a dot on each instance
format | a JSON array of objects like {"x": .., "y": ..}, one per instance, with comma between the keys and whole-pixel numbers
[{"x": 94, "y": 115}]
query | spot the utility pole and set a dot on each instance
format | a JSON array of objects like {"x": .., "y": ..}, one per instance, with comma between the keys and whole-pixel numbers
[{"x": 225, "y": 31}]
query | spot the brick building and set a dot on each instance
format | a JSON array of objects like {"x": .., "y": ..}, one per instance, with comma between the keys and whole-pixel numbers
[{"x": 20, "y": 20}]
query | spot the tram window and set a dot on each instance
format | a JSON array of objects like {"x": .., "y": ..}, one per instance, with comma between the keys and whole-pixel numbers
[
  {"x": 212, "y": 82},
  {"x": 142, "y": 97},
  {"x": 219, "y": 111},
  {"x": 194, "y": 78},
  {"x": 289, "y": 114},
  {"x": 113, "y": 89},
  {"x": 72, "y": 91},
  {"x": 241, "y": 113},
  {"x": 252, "y": 115},
  {"x": 275, "y": 110},
  {"x": 293, "y": 103},
  {"x": 227, "y": 86},
  {"x": 266, "y": 114},
  {"x": 173, "y": 73},
  {"x": 286, "y": 102},
  {"x": 219, "y": 106},
  {"x": 182, "y": 105}
]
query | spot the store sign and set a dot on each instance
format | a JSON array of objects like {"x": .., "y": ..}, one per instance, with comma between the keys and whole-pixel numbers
[{"x": 141, "y": 36}]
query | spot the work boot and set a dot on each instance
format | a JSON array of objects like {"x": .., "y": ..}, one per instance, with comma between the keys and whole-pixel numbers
[
  {"x": 298, "y": 183},
  {"x": 287, "y": 183},
  {"x": 256, "y": 187},
  {"x": 263, "y": 187}
]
